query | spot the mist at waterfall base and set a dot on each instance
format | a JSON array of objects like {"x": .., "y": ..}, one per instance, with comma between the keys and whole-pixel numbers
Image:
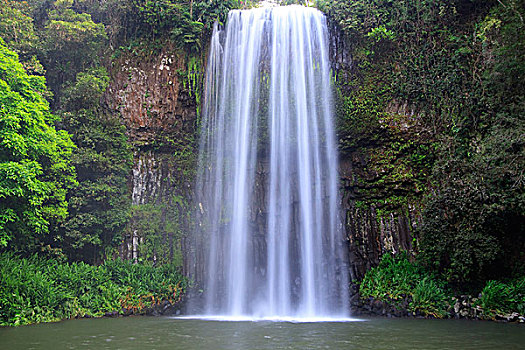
[{"x": 267, "y": 132}]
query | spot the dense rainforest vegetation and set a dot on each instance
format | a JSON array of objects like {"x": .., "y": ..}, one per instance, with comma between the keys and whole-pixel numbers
[{"x": 456, "y": 68}]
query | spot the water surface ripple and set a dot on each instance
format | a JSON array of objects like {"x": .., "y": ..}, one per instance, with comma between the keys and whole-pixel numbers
[{"x": 172, "y": 333}]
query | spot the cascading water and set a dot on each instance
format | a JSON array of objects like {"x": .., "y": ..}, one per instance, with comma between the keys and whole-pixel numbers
[{"x": 267, "y": 131}]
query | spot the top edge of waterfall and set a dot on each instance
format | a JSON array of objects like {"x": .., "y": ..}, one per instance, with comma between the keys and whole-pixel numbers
[
  {"x": 275, "y": 3},
  {"x": 268, "y": 3},
  {"x": 278, "y": 8}
]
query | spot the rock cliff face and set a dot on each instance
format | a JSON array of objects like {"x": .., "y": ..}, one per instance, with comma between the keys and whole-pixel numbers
[
  {"x": 150, "y": 93},
  {"x": 372, "y": 231},
  {"x": 381, "y": 186},
  {"x": 159, "y": 111}
]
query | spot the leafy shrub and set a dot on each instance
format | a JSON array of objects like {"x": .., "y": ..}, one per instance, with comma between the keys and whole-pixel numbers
[
  {"x": 503, "y": 297},
  {"x": 430, "y": 298},
  {"x": 36, "y": 290},
  {"x": 392, "y": 279},
  {"x": 144, "y": 281},
  {"x": 397, "y": 279}
]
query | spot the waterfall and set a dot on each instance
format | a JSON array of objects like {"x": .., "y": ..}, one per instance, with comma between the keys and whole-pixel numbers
[{"x": 267, "y": 183}]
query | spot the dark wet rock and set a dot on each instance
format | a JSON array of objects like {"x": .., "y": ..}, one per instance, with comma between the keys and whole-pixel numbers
[
  {"x": 377, "y": 306},
  {"x": 169, "y": 311},
  {"x": 127, "y": 312},
  {"x": 111, "y": 314},
  {"x": 457, "y": 307},
  {"x": 513, "y": 317}
]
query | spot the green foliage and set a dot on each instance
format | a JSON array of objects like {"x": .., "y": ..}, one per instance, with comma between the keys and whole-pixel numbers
[
  {"x": 86, "y": 91},
  {"x": 188, "y": 23},
  {"x": 35, "y": 166},
  {"x": 481, "y": 204},
  {"x": 458, "y": 238},
  {"x": 360, "y": 114},
  {"x": 291, "y": 2},
  {"x": 430, "y": 298},
  {"x": 374, "y": 119},
  {"x": 17, "y": 29},
  {"x": 398, "y": 153},
  {"x": 71, "y": 42},
  {"x": 100, "y": 205},
  {"x": 160, "y": 228},
  {"x": 158, "y": 16},
  {"x": 70, "y": 37},
  {"x": 188, "y": 36},
  {"x": 503, "y": 297},
  {"x": 35, "y": 290},
  {"x": 396, "y": 279},
  {"x": 380, "y": 34},
  {"x": 149, "y": 224},
  {"x": 164, "y": 282}
]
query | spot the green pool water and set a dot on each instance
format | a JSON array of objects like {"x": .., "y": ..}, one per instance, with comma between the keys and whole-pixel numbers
[{"x": 173, "y": 333}]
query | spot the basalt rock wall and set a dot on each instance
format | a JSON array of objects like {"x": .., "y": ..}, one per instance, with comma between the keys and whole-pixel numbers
[
  {"x": 381, "y": 191},
  {"x": 159, "y": 110}
]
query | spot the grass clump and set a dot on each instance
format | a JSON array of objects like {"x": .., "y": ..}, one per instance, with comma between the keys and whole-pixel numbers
[
  {"x": 397, "y": 280},
  {"x": 501, "y": 297}
]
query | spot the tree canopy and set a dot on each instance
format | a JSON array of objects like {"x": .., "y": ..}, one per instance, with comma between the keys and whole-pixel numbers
[{"x": 35, "y": 158}]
